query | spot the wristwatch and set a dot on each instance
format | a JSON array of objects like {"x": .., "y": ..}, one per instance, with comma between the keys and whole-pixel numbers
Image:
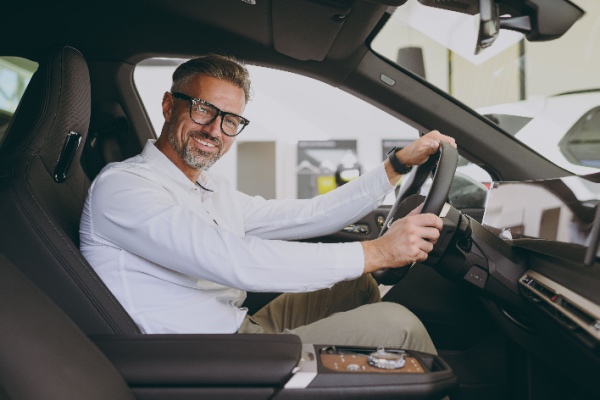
[{"x": 398, "y": 166}]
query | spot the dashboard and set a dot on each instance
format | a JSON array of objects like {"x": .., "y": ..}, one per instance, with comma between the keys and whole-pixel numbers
[
  {"x": 553, "y": 225},
  {"x": 529, "y": 251}
]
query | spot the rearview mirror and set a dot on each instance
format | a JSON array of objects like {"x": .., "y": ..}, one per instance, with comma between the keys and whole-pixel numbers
[
  {"x": 538, "y": 20},
  {"x": 489, "y": 24}
]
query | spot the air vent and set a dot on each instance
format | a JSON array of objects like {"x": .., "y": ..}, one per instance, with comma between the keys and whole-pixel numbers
[{"x": 573, "y": 310}]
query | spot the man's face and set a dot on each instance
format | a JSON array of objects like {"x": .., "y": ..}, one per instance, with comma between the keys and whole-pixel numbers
[{"x": 198, "y": 147}]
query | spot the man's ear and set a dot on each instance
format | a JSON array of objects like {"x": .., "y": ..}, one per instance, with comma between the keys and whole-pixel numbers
[{"x": 167, "y": 106}]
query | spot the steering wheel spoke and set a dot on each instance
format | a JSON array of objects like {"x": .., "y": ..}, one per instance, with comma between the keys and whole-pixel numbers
[{"x": 444, "y": 162}]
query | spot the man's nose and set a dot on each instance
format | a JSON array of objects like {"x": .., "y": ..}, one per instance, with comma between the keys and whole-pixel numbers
[{"x": 214, "y": 128}]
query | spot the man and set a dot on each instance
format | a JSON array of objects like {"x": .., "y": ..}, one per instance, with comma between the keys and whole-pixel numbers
[{"x": 179, "y": 247}]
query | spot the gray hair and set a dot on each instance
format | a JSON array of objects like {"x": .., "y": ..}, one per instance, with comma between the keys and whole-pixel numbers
[{"x": 217, "y": 66}]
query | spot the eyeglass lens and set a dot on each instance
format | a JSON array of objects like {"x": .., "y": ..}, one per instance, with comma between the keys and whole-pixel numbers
[{"x": 205, "y": 113}]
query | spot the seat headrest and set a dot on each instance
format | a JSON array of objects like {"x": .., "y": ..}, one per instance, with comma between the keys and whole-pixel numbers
[
  {"x": 42, "y": 142},
  {"x": 56, "y": 102}
]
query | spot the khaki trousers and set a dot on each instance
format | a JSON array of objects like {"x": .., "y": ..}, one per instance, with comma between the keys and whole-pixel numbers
[{"x": 349, "y": 314}]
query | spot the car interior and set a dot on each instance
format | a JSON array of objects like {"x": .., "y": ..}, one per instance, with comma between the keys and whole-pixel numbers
[{"x": 511, "y": 317}]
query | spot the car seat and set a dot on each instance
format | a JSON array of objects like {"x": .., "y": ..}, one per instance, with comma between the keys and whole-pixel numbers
[
  {"x": 43, "y": 188},
  {"x": 43, "y": 355}
]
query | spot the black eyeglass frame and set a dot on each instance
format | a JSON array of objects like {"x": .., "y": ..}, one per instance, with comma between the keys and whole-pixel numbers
[{"x": 220, "y": 113}]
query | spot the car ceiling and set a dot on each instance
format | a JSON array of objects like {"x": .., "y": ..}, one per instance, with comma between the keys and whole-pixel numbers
[
  {"x": 311, "y": 30},
  {"x": 287, "y": 34},
  {"x": 134, "y": 30}
]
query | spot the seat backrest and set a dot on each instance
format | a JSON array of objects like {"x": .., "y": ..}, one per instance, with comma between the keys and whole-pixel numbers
[
  {"x": 43, "y": 188},
  {"x": 43, "y": 355}
]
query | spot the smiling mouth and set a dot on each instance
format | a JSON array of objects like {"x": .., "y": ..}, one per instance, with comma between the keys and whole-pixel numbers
[{"x": 205, "y": 142}]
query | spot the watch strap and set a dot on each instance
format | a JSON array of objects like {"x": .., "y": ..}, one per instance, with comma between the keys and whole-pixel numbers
[{"x": 397, "y": 165}]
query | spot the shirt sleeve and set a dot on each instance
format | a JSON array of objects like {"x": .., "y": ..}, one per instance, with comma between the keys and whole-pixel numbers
[
  {"x": 322, "y": 215},
  {"x": 130, "y": 212}
]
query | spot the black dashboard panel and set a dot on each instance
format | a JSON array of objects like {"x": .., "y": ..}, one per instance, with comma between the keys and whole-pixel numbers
[
  {"x": 563, "y": 264},
  {"x": 551, "y": 224},
  {"x": 566, "y": 314}
]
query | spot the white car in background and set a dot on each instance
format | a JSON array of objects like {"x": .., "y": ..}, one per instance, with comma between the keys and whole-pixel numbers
[{"x": 564, "y": 128}]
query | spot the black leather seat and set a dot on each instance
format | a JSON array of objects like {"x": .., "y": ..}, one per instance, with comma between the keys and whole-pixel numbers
[
  {"x": 42, "y": 190},
  {"x": 43, "y": 355}
]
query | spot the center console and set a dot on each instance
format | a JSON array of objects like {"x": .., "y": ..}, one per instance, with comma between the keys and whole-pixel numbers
[
  {"x": 270, "y": 367},
  {"x": 359, "y": 373}
]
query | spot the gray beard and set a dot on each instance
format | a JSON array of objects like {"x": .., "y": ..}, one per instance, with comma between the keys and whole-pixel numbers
[{"x": 197, "y": 159}]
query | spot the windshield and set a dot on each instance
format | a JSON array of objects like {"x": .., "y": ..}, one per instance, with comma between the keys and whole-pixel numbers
[
  {"x": 545, "y": 94},
  {"x": 556, "y": 209}
]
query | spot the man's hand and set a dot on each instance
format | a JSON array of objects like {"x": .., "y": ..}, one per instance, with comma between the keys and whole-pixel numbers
[
  {"x": 411, "y": 238},
  {"x": 418, "y": 152},
  {"x": 408, "y": 240}
]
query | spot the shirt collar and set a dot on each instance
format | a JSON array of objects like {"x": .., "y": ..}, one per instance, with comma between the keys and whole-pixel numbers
[
  {"x": 206, "y": 182},
  {"x": 161, "y": 162}
]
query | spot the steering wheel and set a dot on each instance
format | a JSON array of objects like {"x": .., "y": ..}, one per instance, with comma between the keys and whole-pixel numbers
[{"x": 444, "y": 162}]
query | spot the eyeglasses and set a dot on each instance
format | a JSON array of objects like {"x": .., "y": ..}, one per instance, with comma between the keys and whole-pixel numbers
[{"x": 204, "y": 113}]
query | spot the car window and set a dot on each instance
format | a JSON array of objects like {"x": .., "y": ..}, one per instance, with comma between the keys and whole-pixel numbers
[
  {"x": 535, "y": 91},
  {"x": 15, "y": 74},
  {"x": 304, "y": 138}
]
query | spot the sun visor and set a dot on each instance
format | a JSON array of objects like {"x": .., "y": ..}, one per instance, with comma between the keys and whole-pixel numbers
[{"x": 306, "y": 30}]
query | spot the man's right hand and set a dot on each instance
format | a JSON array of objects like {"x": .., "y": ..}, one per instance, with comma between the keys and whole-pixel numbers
[{"x": 408, "y": 240}]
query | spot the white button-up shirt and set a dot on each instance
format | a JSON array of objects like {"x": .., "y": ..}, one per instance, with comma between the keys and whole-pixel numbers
[{"x": 180, "y": 257}]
